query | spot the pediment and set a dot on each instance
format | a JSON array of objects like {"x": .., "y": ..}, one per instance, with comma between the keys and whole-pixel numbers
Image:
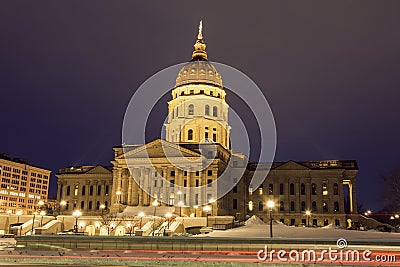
[
  {"x": 159, "y": 149},
  {"x": 99, "y": 170},
  {"x": 291, "y": 165}
]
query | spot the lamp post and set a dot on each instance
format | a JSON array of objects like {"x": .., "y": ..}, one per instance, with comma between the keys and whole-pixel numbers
[
  {"x": 308, "y": 214},
  {"x": 270, "y": 205},
  {"x": 207, "y": 210},
  {"x": 103, "y": 207},
  {"x": 18, "y": 213},
  {"x": 155, "y": 204},
  {"x": 76, "y": 215},
  {"x": 33, "y": 222},
  {"x": 180, "y": 204},
  {"x": 195, "y": 210},
  {"x": 63, "y": 204},
  {"x": 42, "y": 213},
  {"x": 168, "y": 216},
  {"x": 141, "y": 215}
]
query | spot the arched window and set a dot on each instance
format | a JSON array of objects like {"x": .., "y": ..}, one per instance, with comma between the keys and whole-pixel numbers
[
  {"x": 207, "y": 110},
  {"x": 292, "y": 206},
  {"x": 260, "y": 206},
  {"x": 291, "y": 189},
  {"x": 82, "y": 205},
  {"x": 314, "y": 206},
  {"x": 191, "y": 109},
  {"x": 324, "y": 189},
  {"x": 68, "y": 190},
  {"x": 335, "y": 189},
  {"x": 270, "y": 189},
  {"x": 303, "y": 206},
  {"x": 83, "y": 190},
  {"x": 324, "y": 206},
  {"x": 281, "y": 206},
  {"x": 97, "y": 205},
  {"x": 171, "y": 199},
  {"x": 91, "y": 190},
  {"x": 215, "y": 111},
  {"x": 313, "y": 189},
  {"x": 90, "y": 205},
  {"x": 336, "y": 206},
  {"x": 190, "y": 134},
  {"x": 302, "y": 189},
  {"x": 106, "y": 205},
  {"x": 281, "y": 189},
  {"x": 99, "y": 190}
]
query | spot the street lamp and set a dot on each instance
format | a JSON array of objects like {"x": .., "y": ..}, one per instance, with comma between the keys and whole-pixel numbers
[
  {"x": 168, "y": 216},
  {"x": 129, "y": 226},
  {"x": 63, "y": 204},
  {"x": 76, "y": 215},
  {"x": 103, "y": 207},
  {"x": 180, "y": 204},
  {"x": 207, "y": 209},
  {"x": 42, "y": 213},
  {"x": 18, "y": 213},
  {"x": 33, "y": 222},
  {"x": 270, "y": 205},
  {"x": 308, "y": 214},
  {"x": 155, "y": 204},
  {"x": 141, "y": 215},
  {"x": 195, "y": 210}
]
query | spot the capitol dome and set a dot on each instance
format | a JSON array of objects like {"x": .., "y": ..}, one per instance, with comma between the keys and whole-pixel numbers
[{"x": 199, "y": 70}]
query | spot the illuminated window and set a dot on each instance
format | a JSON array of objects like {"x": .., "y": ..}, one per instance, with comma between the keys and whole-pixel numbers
[
  {"x": 324, "y": 189},
  {"x": 260, "y": 190},
  {"x": 76, "y": 190},
  {"x": 207, "y": 110},
  {"x": 250, "y": 205},
  {"x": 324, "y": 206},
  {"x": 271, "y": 189}
]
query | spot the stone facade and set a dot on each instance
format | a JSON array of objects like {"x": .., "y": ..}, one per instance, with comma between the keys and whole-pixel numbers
[{"x": 86, "y": 188}]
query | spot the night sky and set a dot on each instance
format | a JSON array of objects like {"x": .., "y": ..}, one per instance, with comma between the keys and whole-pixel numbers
[{"x": 329, "y": 69}]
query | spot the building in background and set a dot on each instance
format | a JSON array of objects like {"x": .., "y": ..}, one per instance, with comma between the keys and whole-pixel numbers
[
  {"x": 87, "y": 188},
  {"x": 22, "y": 186}
]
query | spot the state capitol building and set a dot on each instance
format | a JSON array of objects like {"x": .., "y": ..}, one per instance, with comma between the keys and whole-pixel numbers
[{"x": 198, "y": 114}]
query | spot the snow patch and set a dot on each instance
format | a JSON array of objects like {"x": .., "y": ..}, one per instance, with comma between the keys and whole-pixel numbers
[{"x": 254, "y": 220}]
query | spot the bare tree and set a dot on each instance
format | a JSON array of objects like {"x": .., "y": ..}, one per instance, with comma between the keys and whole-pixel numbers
[
  {"x": 110, "y": 221},
  {"x": 391, "y": 190}
]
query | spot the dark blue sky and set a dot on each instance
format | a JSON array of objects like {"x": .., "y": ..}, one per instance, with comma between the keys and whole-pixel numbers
[{"x": 329, "y": 69}]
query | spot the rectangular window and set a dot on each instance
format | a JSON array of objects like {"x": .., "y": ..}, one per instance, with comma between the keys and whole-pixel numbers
[
  {"x": 197, "y": 182},
  {"x": 184, "y": 183},
  {"x": 155, "y": 183},
  {"x": 214, "y": 137},
  {"x": 184, "y": 173},
  {"x": 209, "y": 182},
  {"x": 197, "y": 173},
  {"x": 234, "y": 204},
  {"x": 172, "y": 183},
  {"x": 235, "y": 189},
  {"x": 209, "y": 172},
  {"x": 172, "y": 173}
]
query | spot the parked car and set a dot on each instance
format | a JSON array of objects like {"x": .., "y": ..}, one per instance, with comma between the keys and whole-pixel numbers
[{"x": 384, "y": 228}]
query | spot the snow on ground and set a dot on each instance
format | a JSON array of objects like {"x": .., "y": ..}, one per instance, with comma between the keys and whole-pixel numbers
[
  {"x": 284, "y": 231},
  {"x": 254, "y": 220}
]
